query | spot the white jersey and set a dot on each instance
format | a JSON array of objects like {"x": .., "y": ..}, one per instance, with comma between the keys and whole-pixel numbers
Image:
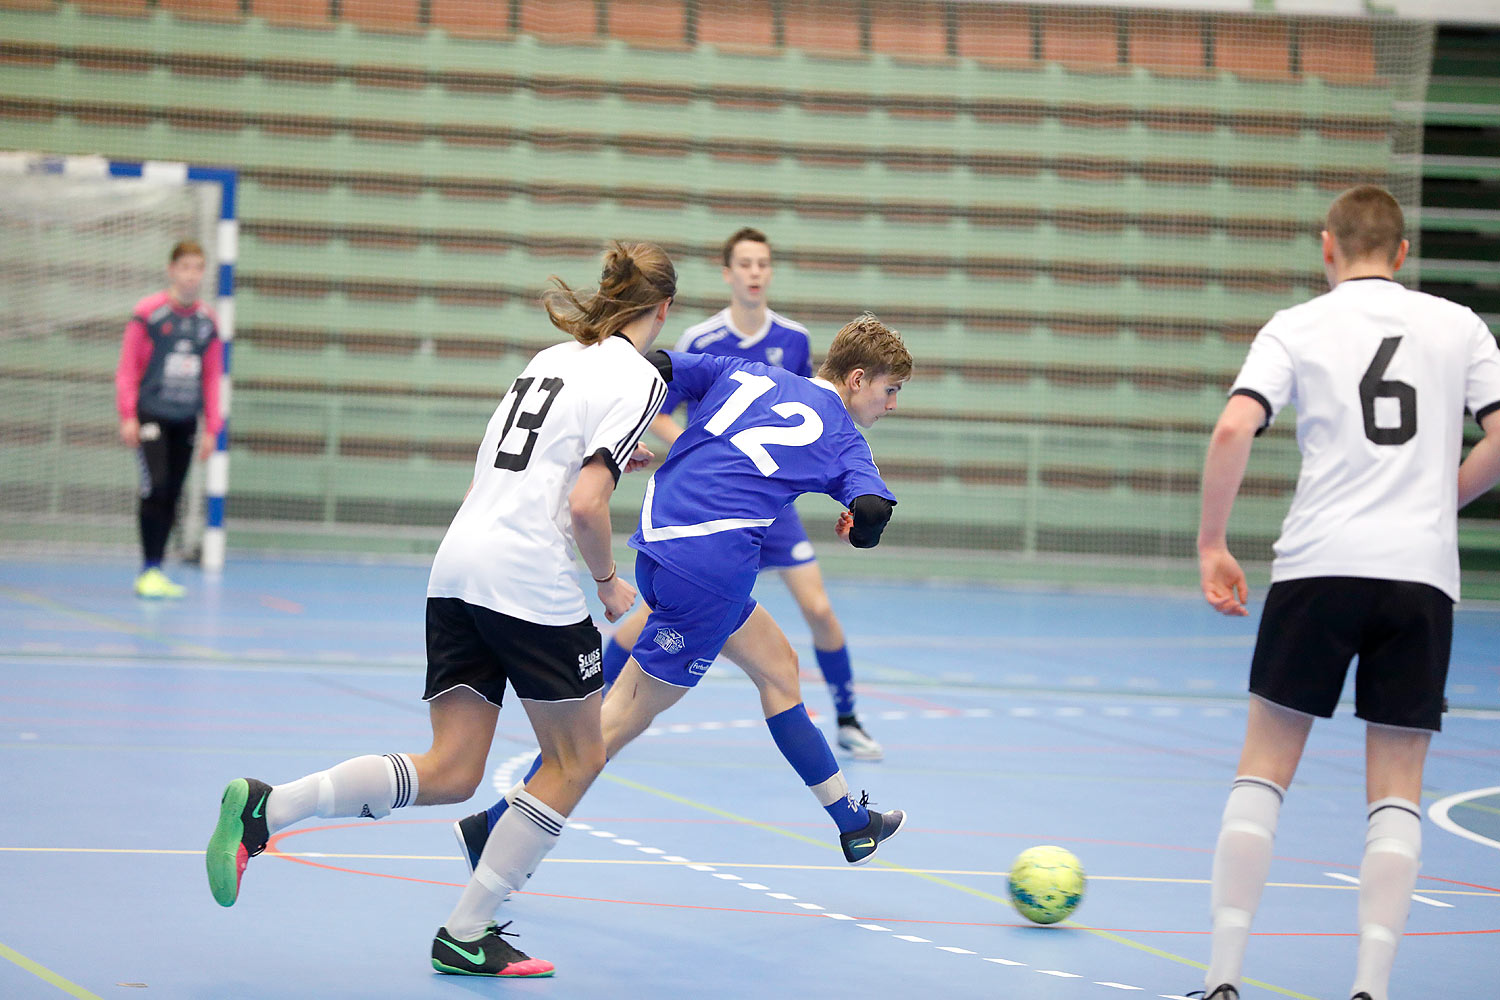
[
  {"x": 510, "y": 547},
  {"x": 1380, "y": 377}
]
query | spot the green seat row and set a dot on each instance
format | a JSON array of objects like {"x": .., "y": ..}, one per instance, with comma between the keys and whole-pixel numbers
[
  {"x": 344, "y": 105},
  {"x": 443, "y": 255},
  {"x": 590, "y": 160},
  {"x": 429, "y": 491},
  {"x": 336, "y": 260},
  {"x": 973, "y": 209},
  {"x": 1018, "y": 209}
]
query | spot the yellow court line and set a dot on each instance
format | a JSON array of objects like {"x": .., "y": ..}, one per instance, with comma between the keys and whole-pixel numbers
[
  {"x": 107, "y": 622},
  {"x": 999, "y": 900},
  {"x": 47, "y": 975}
]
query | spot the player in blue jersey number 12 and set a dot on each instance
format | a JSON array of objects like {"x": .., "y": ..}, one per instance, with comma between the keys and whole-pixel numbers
[
  {"x": 748, "y": 328},
  {"x": 760, "y": 436}
]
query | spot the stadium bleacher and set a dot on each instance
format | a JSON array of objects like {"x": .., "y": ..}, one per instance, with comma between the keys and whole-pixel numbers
[{"x": 1065, "y": 267}]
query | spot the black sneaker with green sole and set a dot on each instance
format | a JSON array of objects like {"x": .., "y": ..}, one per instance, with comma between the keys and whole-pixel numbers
[{"x": 491, "y": 955}]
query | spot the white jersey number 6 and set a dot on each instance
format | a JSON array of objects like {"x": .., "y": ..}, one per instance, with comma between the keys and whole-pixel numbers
[{"x": 753, "y": 440}]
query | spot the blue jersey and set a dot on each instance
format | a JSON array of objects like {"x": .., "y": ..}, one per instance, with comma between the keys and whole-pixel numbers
[
  {"x": 760, "y": 437},
  {"x": 780, "y": 344}
]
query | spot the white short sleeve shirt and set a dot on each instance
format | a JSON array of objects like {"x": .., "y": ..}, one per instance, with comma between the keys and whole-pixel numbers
[
  {"x": 1380, "y": 377},
  {"x": 510, "y": 547}
]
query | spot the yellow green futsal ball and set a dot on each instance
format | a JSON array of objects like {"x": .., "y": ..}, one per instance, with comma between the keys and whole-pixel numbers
[{"x": 1046, "y": 883}]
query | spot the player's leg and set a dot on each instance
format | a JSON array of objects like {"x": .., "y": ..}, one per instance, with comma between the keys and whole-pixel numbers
[
  {"x": 473, "y": 829},
  {"x": 465, "y": 685},
  {"x": 251, "y": 811},
  {"x": 1274, "y": 738},
  {"x": 1393, "y": 850},
  {"x": 160, "y": 484},
  {"x": 1403, "y": 669},
  {"x": 554, "y": 672},
  {"x": 805, "y": 581},
  {"x": 760, "y": 649},
  {"x": 572, "y": 757},
  {"x": 1307, "y": 636}
]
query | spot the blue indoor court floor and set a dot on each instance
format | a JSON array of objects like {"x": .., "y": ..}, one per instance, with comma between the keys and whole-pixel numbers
[{"x": 697, "y": 866}]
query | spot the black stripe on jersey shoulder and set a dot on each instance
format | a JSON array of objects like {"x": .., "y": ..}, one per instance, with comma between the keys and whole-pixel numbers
[
  {"x": 609, "y": 460},
  {"x": 1485, "y": 411},
  {"x": 653, "y": 407},
  {"x": 1264, "y": 403}
]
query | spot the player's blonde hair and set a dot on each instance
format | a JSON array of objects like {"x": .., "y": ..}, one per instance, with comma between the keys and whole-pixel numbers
[
  {"x": 1366, "y": 221},
  {"x": 866, "y": 343},
  {"x": 636, "y": 278}
]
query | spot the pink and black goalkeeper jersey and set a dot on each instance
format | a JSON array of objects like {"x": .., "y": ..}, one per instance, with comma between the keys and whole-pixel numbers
[{"x": 170, "y": 363}]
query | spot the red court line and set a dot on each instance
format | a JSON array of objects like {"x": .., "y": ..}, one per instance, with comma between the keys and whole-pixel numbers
[{"x": 273, "y": 844}]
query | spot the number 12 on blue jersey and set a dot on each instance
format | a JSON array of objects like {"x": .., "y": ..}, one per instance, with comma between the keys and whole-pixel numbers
[{"x": 753, "y": 440}]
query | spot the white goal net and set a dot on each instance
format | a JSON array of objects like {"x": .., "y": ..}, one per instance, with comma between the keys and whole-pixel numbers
[{"x": 76, "y": 254}]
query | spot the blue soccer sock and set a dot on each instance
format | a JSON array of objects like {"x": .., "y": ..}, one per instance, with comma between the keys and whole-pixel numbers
[
  {"x": 615, "y": 658},
  {"x": 494, "y": 812},
  {"x": 839, "y": 675},
  {"x": 804, "y": 747}
]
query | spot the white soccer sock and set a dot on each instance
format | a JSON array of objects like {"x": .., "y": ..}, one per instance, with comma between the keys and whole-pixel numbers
[
  {"x": 529, "y": 829},
  {"x": 364, "y": 786},
  {"x": 1242, "y": 860},
  {"x": 1387, "y": 876}
]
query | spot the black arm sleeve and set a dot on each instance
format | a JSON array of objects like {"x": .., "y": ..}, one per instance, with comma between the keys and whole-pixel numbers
[
  {"x": 871, "y": 514},
  {"x": 663, "y": 365}
]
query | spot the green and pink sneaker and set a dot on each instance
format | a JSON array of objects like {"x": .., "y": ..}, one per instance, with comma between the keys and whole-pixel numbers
[{"x": 240, "y": 835}]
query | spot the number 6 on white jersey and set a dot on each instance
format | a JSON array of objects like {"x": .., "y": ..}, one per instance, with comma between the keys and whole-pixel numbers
[{"x": 753, "y": 440}]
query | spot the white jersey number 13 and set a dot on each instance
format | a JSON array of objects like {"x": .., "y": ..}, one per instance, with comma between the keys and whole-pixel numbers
[{"x": 753, "y": 440}]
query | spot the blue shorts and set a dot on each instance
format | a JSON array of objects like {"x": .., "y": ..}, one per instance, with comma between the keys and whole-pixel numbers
[
  {"x": 786, "y": 542},
  {"x": 687, "y": 627}
]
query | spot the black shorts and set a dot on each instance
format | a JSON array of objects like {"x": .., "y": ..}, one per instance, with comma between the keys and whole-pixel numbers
[
  {"x": 474, "y": 647},
  {"x": 1402, "y": 633}
]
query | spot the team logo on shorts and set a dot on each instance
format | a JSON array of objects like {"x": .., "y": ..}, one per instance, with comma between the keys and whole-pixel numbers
[
  {"x": 670, "y": 640},
  {"x": 588, "y": 664},
  {"x": 699, "y": 667}
]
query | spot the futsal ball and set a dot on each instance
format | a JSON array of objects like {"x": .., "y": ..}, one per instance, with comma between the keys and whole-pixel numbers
[{"x": 1046, "y": 884}]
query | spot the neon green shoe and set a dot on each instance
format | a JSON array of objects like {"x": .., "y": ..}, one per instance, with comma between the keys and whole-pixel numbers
[
  {"x": 240, "y": 835},
  {"x": 154, "y": 583}
]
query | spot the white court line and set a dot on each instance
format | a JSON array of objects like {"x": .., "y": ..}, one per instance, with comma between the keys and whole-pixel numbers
[
  {"x": 1416, "y": 896},
  {"x": 843, "y": 917},
  {"x": 1438, "y": 813}
]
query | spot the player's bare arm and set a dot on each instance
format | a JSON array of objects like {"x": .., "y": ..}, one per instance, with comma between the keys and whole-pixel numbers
[
  {"x": 1480, "y": 471},
  {"x": 1219, "y": 572},
  {"x": 588, "y": 505}
]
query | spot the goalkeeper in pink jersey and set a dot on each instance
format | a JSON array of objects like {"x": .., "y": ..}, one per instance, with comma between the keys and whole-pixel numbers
[{"x": 170, "y": 362}]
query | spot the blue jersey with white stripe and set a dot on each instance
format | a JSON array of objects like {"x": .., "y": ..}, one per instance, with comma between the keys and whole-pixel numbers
[
  {"x": 759, "y": 438},
  {"x": 781, "y": 343}
]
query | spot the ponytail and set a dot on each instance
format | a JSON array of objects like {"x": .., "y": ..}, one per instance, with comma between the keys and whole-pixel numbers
[{"x": 636, "y": 278}]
